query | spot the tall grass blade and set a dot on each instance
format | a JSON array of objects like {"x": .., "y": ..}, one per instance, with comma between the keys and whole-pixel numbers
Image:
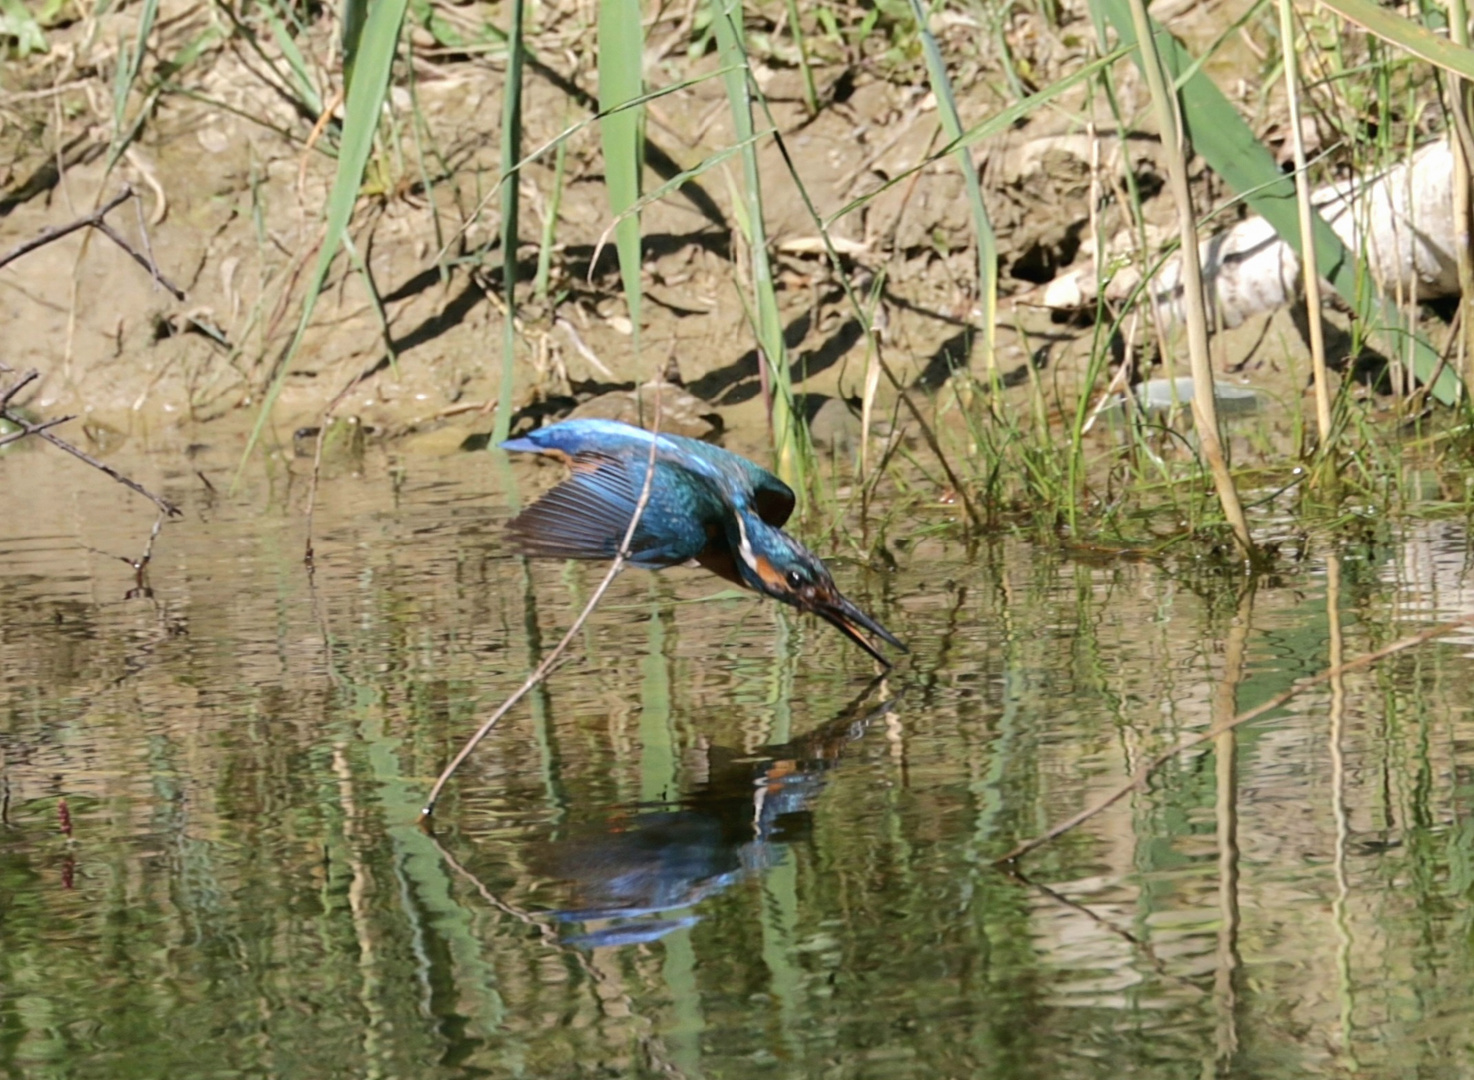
[
  {"x": 355, "y": 18},
  {"x": 130, "y": 65},
  {"x": 296, "y": 62},
  {"x": 550, "y": 226},
  {"x": 680, "y": 179},
  {"x": 558, "y": 141},
  {"x": 987, "y": 240},
  {"x": 787, "y": 438},
  {"x": 367, "y": 89},
  {"x": 811, "y": 92},
  {"x": 1407, "y": 35},
  {"x": 511, "y": 199},
  {"x": 1217, "y": 132},
  {"x": 621, "y": 79}
]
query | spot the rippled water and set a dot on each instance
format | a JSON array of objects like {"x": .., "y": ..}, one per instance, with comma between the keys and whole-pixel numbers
[{"x": 710, "y": 847}]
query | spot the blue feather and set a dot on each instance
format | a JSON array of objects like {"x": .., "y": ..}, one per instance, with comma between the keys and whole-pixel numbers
[
  {"x": 739, "y": 482},
  {"x": 587, "y": 515},
  {"x": 705, "y": 504}
]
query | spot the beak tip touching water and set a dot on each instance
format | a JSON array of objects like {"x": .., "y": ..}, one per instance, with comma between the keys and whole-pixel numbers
[{"x": 855, "y": 625}]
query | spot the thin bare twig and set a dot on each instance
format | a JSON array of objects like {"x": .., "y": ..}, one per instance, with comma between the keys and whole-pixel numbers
[
  {"x": 1141, "y": 944},
  {"x": 96, "y": 220},
  {"x": 834, "y": 260},
  {"x": 928, "y": 435},
  {"x": 1143, "y": 774},
  {"x": 24, "y": 381},
  {"x": 39, "y": 430},
  {"x": 56, "y": 232},
  {"x": 140, "y": 565},
  {"x": 548, "y": 934},
  {"x": 138, "y": 257},
  {"x": 551, "y": 660},
  {"x": 29, "y": 428}
]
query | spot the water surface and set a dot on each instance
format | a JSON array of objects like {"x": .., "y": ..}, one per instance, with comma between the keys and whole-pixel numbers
[{"x": 711, "y": 846}]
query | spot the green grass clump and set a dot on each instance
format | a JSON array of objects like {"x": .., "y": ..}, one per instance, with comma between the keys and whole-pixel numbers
[{"x": 1026, "y": 447}]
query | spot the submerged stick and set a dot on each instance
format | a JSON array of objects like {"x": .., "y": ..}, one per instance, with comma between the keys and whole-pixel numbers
[
  {"x": 551, "y": 660},
  {"x": 1140, "y": 779},
  {"x": 42, "y": 430}
]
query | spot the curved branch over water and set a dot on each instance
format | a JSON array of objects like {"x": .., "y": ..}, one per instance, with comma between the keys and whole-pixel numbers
[{"x": 545, "y": 668}]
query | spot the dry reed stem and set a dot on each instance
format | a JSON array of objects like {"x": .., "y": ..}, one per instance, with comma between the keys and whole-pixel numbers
[
  {"x": 1205, "y": 408},
  {"x": 1462, "y": 138},
  {"x": 1331, "y": 675},
  {"x": 1309, "y": 265}
]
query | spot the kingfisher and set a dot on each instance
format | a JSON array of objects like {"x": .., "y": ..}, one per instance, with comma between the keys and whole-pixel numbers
[{"x": 707, "y": 505}]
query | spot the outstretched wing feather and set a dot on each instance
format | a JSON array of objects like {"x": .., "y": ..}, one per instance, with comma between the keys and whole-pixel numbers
[{"x": 587, "y": 515}]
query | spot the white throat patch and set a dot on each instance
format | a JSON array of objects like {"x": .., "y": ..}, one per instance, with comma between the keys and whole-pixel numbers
[{"x": 744, "y": 549}]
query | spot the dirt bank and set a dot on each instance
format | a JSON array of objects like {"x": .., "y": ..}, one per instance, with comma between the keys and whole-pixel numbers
[{"x": 231, "y": 200}]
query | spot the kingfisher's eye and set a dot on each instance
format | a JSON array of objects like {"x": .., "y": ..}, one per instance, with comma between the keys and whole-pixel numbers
[{"x": 795, "y": 580}]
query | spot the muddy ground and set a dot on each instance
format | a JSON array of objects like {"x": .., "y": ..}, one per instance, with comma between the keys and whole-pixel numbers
[{"x": 231, "y": 202}]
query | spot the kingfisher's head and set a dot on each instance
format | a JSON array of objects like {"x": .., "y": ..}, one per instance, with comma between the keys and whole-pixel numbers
[{"x": 773, "y": 563}]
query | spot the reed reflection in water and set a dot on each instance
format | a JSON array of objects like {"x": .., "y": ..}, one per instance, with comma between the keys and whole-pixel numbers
[{"x": 694, "y": 853}]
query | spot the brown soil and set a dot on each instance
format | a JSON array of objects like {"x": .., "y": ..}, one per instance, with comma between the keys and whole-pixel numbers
[{"x": 233, "y": 203}]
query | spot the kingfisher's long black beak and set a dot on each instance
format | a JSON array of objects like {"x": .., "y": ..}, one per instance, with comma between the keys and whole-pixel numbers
[{"x": 851, "y": 621}]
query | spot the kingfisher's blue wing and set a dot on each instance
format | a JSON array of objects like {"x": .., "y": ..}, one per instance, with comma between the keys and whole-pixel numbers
[
  {"x": 721, "y": 470},
  {"x": 587, "y": 515}
]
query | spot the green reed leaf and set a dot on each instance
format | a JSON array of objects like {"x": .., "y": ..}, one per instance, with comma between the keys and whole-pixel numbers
[
  {"x": 371, "y": 63},
  {"x": 1217, "y": 132},
  {"x": 621, "y": 65}
]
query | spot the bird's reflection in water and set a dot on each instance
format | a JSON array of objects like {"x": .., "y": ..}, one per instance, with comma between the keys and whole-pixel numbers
[{"x": 634, "y": 873}]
